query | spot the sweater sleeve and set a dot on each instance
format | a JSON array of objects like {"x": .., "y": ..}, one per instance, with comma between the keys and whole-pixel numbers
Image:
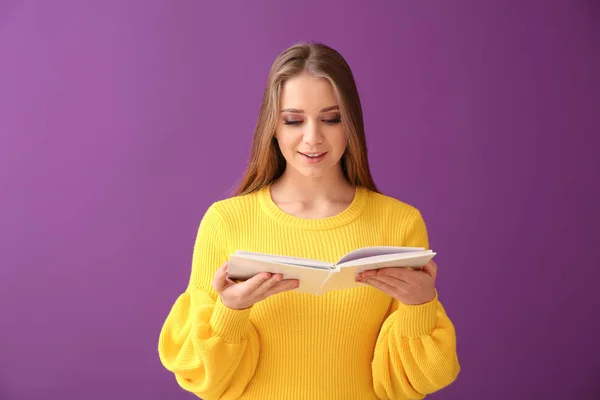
[
  {"x": 211, "y": 349},
  {"x": 415, "y": 353}
]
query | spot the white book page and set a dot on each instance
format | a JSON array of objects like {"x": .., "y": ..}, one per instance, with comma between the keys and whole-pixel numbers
[
  {"x": 311, "y": 279},
  {"x": 409, "y": 259},
  {"x": 343, "y": 279},
  {"x": 376, "y": 251},
  {"x": 307, "y": 262}
]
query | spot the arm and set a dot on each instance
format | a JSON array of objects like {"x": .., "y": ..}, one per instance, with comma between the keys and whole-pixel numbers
[
  {"x": 415, "y": 353},
  {"x": 211, "y": 349}
]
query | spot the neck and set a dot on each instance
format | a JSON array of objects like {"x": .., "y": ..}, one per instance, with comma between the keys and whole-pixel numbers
[{"x": 296, "y": 187}]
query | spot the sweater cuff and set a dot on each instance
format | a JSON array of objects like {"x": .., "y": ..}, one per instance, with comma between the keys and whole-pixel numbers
[
  {"x": 229, "y": 324},
  {"x": 414, "y": 321}
]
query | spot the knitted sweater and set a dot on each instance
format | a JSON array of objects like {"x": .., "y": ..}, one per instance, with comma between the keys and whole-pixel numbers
[{"x": 356, "y": 343}]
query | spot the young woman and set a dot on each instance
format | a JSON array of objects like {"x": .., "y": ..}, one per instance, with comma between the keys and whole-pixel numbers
[{"x": 308, "y": 192}]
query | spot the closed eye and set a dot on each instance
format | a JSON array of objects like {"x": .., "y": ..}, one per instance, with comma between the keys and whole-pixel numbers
[{"x": 332, "y": 121}]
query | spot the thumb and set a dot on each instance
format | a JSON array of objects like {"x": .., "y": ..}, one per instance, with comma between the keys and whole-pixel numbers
[
  {"x": 430, "y": 269},
  {"x": 220, "y": 280}
]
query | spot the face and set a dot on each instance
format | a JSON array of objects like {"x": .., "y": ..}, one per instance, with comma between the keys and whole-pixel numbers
[{"x": 309, "y": 129}]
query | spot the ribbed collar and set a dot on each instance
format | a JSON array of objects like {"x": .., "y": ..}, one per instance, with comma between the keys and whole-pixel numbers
[{"x": 348, "y": 215}]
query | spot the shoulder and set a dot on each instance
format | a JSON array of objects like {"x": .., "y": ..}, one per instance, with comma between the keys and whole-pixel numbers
[
  {"x": 223, "y": 214},
  {"x": 390, "y": 206},
  {"x": 403, "y": 219},
  {"x": 231, "y": 208}
]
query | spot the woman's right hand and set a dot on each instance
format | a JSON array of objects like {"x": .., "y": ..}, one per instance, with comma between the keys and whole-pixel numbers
[{"x": 239, "y": 296}]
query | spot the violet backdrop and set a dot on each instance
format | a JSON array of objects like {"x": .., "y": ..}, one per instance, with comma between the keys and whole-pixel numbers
[{"x": 122, "y": 121}]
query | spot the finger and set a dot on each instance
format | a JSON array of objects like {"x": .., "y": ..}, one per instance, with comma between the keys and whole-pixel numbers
[
  {"x": 393, "y": 282},
  {"x": 283, "y": 286},
  {"x": 415, "y": 279},
  {"x": 430, "y": 269},
  {"x": 254, "y": 283},
  {"x": 220, "y": 279},
  {"x": 230, "y": 282},
  {"x": 409, "y": 276},
  {"x": 397, "y": 272},
  {"x": 368, "y": 273},
  {"x": 268, "y": 284},
  {"x": 379, "y": 284},
  {"x": 401, "y": 273}
]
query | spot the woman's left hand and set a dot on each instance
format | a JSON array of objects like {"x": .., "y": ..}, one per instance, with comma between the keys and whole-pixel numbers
[{"x": 406, "y": 285}]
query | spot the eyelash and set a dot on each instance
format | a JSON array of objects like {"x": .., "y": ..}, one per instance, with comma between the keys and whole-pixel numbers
[{"x": 327, "y": 121}]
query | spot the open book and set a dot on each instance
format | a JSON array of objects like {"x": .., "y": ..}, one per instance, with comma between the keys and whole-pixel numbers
[{"x": 319, "y": 277}]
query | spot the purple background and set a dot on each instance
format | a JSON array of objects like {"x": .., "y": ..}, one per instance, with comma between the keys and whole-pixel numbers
[{"x": 120, "y": 122}]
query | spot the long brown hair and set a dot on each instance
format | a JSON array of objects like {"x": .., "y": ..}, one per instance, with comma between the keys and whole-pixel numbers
[{"x": 266, "y": 161}]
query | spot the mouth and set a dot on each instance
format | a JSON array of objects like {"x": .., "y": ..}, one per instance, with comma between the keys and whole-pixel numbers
[{"x": 313, "y": 157}]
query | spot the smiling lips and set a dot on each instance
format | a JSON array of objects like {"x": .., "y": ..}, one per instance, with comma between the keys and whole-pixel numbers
[{"x": 313, "y": 157}]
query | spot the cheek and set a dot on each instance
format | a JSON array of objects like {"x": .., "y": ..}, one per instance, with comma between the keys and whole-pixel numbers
[
  {"x": 340, "y": 141},
  {"x": 285, "y": 143}
]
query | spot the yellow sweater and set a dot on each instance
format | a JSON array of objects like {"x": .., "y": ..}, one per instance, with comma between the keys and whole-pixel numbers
[{"x": 350, "y": 344}]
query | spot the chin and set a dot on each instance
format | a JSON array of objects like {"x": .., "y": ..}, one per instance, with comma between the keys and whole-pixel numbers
[
  {"x": 313, "y": 174},
  {"x": 315, "y": 171}
]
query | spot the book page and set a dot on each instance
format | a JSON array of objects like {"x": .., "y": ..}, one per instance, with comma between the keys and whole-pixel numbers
[
  {"x": 306, "y": 262},
  {"x": 409, "y": 259},
  {"x": 342, "y": 279},
  {"x": 375, "y": 251},
  {"x": 311, "y": 279}
]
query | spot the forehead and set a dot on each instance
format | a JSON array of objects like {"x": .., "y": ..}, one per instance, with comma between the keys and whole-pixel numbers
[{"x": 307, "y": 93}]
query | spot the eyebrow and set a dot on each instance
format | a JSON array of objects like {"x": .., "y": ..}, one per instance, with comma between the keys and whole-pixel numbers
[{"x": 324, "y": 110}]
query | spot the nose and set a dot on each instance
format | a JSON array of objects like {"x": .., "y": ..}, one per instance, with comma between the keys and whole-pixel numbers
[{"x": 312, "y": 134}]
